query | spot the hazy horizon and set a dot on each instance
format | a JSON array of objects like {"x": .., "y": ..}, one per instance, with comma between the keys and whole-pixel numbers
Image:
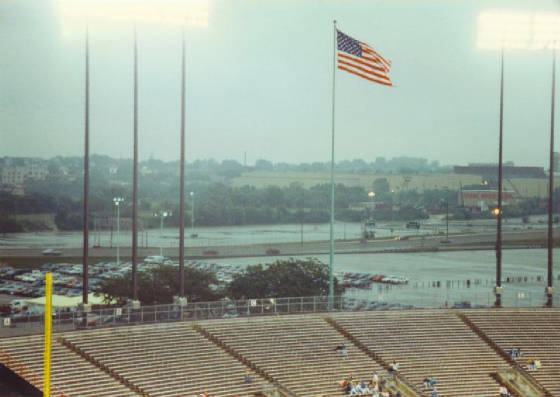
[{"x": 259, "y": 79}]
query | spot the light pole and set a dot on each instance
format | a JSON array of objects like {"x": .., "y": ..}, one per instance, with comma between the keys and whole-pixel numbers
[
  {"x": 117, "y": 201},
  {"x": 192, "y": 211},
  {"x": 162, "y": 214},
  {"x": 520, "y": 31}
]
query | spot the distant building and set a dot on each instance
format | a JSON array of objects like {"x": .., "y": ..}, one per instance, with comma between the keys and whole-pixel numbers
[
  {"x": 490, "y": 171},
  {"x": 484, "y": 199},
  {"x": 17, "y": 175}
]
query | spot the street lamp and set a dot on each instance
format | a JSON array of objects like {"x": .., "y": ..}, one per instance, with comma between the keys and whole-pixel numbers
[
  {"x": 162, "y": 215},
  {"x": 371, "y": 195},
  {"x": 496, "y": 211},
  {"x": 117, "y": 201}
]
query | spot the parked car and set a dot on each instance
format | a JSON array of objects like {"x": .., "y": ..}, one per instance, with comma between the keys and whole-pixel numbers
[{"x": 52, "y": 252}]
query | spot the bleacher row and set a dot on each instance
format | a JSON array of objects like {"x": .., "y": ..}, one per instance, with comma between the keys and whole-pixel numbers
[{"x": 296, "y": 352}]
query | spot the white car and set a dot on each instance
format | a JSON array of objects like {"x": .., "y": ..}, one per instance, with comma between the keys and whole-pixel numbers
[{"x": 157, "y": 259}]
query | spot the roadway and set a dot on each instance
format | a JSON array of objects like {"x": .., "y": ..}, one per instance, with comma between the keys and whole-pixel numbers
[{"x": 417, "y": 243}]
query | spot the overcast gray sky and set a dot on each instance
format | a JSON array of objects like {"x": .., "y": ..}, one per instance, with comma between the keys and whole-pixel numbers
[{"x": 259, "y": 80}]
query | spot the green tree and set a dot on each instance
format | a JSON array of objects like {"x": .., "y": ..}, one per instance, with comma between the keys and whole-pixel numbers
[
  {"x": 160, "y": 284},
  {"x": 283, "y": 278}
]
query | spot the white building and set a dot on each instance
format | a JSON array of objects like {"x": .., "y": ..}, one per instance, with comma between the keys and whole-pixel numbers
[{"x": 17, "y": 175}]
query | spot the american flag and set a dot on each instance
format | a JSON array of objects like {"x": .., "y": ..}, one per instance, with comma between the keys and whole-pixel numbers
[{"x": 360, "y": 59}]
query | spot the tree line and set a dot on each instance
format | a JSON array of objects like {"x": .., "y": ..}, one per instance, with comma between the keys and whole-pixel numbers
[{"x": 283, "y": 278}]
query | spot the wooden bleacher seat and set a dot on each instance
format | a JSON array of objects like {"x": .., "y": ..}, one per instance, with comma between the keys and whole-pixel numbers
[
  {"x": 432, "y": 343},
  {"x": 535, "y": 331},
  {"x": 297, "y": 351}
]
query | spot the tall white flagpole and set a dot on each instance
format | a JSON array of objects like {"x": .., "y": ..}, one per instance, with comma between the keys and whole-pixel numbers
[{"x": 331, "y": 250}]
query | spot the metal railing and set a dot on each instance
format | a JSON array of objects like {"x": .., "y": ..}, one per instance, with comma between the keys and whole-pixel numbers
[{"x": 115, "y": 316}]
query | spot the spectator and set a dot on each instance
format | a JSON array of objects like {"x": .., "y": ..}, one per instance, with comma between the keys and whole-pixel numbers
[
  {"x": 538, "y": 364},
  {"x": 514, "y": 353},
  {"x": 394, "y": 368},
  {"x": 434, "y": 392},
  {"x": 248, "y": 378},
  {"x": 341, "y": 349},
  {"x": 504, "y": 392},
  {"x": 429, "y": 382},
  {"x": 533, "y": 365}
]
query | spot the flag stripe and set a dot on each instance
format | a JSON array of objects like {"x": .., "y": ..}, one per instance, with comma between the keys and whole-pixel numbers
[
  {"x": 365, "y": 77},
  {"x": 364, "y": 70},
  {"x": 375, "y": 61},
  {"x": 370, "y": 50},
  {"x": 362, "y": 62}
]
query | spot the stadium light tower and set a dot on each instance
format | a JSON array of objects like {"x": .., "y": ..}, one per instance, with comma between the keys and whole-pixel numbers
[
  {"x": 501, "y": 30},
  {"x": 74, "y": 13}
]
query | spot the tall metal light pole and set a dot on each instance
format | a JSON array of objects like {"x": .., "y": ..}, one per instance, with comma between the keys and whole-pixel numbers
[
  {"x": 135, "y": 179},
  {"x": 550, "y": 289},
  {"x": 182, "y": 177},
  {"x": 498, "y": 289},
  {"x": 118, "y": 201},
  {"x": 85, "y": 253},
  {"x": 519, "y": 31}
]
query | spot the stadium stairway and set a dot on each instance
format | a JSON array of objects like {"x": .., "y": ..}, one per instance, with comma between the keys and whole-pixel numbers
[
  {"x": 282, "y": 390},
  {"x": 402, "y": 385},
  {"x": 536, "y": 331}
]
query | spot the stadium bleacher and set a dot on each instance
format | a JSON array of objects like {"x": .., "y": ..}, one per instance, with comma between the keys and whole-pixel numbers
[
  {"x": 297, "y": 351},
  {"x": 166, "y": 360},
  {"x": 535, "y": 332},
  {"x": 71, "y": 375},
  {"x": 429, "y": 344},
  {"x": 462, "y": 349}
]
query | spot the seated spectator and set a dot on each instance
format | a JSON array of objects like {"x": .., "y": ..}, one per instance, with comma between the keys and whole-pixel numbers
[
  {"x": 375, "y": 378},
  {"x": 393, "y": 368},
  {"x": 347, "y": 387},
  {"x": 504, "y": 392},
  {"x": 429, "y": 382},
  {"x": 531, "y": 365},
  {"x": 375, "y": 387},
  {"x": 538, "y": 364},
  {"x": 434, "y": 393},
  {"x": 248, "y": 378},
  {"x": 514, "y": 353}
]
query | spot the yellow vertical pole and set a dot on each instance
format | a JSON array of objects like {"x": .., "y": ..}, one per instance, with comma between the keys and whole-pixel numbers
[{"x": 48, "y": 336}]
